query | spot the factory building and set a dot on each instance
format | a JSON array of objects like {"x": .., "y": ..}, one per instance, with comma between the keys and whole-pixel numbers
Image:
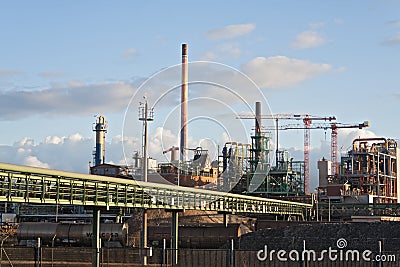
[{"x": 367, "y": 174}]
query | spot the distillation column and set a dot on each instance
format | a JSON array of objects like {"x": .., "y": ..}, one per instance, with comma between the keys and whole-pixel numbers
[{"x": 101, "y": 130}]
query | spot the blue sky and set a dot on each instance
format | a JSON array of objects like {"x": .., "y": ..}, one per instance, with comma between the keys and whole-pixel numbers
[{"x": 63, "y": 62}]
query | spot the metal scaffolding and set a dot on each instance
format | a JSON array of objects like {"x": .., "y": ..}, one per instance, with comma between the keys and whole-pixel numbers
[{"x": 368, "y": 173}]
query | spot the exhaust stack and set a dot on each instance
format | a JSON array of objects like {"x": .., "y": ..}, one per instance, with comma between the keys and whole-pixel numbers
[
  {"x": 101, "y": 130},
  {"x": 184, "y": 102},
  {"x": 258, "y": 143},
  {"x": 258, "y": 118}
]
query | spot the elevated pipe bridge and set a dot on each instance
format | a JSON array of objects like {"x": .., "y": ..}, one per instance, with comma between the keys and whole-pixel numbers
[{"x": 44, "y": 186}]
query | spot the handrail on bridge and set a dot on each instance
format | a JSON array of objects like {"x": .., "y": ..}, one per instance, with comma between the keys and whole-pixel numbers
[{"x": 38, "y": 185}]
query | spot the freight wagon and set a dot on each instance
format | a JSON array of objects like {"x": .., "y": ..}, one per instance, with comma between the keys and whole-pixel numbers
[{"x": 71, "y": 234}]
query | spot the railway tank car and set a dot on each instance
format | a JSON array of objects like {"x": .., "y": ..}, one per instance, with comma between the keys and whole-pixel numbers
[
  {"x": 210, "y": 236},
  {"x": 70, "y": 234}
]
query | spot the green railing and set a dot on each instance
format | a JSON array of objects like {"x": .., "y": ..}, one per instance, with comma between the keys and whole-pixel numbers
[{"x": 38, "y": 185}]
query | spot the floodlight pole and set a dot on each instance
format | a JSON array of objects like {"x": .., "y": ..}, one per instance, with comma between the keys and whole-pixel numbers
[{"x": 145, "y": 115}]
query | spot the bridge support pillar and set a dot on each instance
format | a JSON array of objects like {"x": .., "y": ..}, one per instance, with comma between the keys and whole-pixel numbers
[
  {"x": 96, "y": 237},
  {"x": 225, "y": 220},
  {"x": 144, "y": 238},
  {"x": 174, "y": 236}
]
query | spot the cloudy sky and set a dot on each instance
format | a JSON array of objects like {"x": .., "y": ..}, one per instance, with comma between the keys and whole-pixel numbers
[{"x": 65, "y": 62}]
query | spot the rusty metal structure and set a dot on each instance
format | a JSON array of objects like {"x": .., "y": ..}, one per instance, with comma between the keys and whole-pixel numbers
[{"x": 367, "y": 174}]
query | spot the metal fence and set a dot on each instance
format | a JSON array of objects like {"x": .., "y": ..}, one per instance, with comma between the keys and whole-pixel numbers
[{"x": 110, "y": 257}]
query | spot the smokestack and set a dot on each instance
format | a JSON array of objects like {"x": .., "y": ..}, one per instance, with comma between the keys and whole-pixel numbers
[
  {"x": 184, "y": 102},
  {"x": 100, "y": 129},
  {"x": 258, "y": 118},
  {"x": 258, "y": 144}
]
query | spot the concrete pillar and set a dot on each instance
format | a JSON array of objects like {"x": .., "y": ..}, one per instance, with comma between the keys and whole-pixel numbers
[
  {"x": 96, "y": 237},
  {"x": 174, "y": 236},
  {"x": 225, "y": 215},
  {"x": 144, "y": 238}
]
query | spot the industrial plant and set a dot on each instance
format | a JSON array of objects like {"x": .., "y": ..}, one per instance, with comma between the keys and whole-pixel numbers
[
  {"x": 367, "y": 174},
  {"x": 360, "y": 186}
]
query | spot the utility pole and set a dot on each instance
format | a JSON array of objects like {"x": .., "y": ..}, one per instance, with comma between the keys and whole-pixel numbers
[{"x": 146, "y": 114}]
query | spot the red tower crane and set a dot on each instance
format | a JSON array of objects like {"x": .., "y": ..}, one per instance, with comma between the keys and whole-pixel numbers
[
  {"x": 307, "y": 124},
  {"x": 307, "y": 120},
  {"x": 334, "y": 127}
]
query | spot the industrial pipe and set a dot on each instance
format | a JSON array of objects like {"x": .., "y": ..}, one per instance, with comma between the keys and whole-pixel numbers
[{"x": 371, "y": 139}]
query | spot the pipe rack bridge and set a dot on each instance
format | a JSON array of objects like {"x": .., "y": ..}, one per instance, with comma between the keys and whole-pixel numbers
[{"x": 45, "y": 186}]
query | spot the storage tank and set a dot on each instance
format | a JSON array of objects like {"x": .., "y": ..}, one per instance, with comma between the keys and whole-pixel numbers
[
  {"x": 111, "y": 234},
  {"x": 204, "y": 236},
  {"x": 28, "y": 232}
]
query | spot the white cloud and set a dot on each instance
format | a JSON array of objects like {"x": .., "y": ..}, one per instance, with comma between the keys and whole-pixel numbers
[
  {"x": 35, "y": 162},
  {"x": 394, "y": 40},
  {"x": 308, "y": 39},
  {"x": 75, "y": 98},
  {"x": 230, "y": 31},
  {"x": 26, "y": 141},
  {"x": 54, "y": 140},
  {"x": 76, "y": 137},
  {"x": 346, "y": 137},
  {"x": 71, "y": 153},
  {"x": 281, "y": 71},
  {"x": 126, "y": 139},
  {"x": 161, "y": 140}
]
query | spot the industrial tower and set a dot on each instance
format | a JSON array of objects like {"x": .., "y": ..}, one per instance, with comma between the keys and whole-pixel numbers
[{"x": 101, "y": 129}]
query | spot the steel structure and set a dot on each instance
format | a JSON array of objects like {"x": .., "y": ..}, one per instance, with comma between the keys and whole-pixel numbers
[
  {"x": 307, "y": 124},
  {"x": 37, "y": 185},
  {"x": 307, "y": 120},
  {"x": 368, "y": 174},
  {"x": 285, "y": 179},
  {"x": 334, "y": 127}
]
